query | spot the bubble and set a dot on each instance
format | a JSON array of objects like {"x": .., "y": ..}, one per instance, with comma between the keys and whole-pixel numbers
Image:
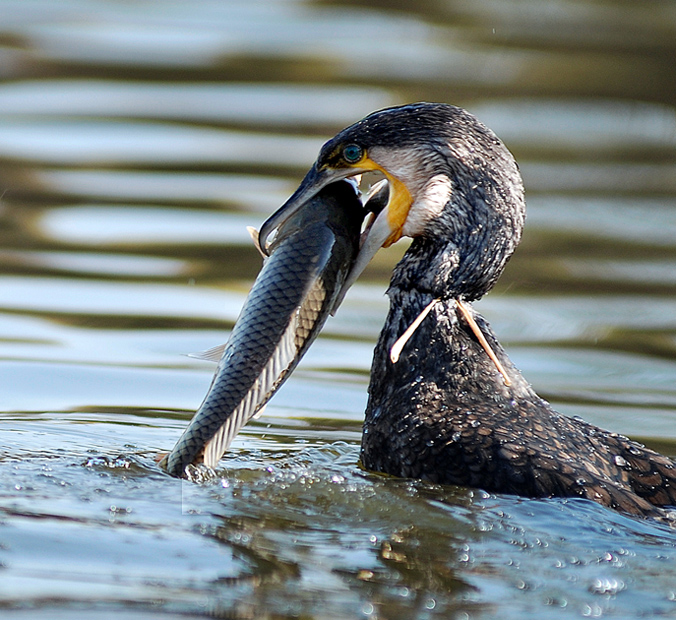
[{"x": 367, "y": 609}]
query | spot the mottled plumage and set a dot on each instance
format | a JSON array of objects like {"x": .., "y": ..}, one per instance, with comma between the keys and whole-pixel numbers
[{"x": 443, "y": 412}]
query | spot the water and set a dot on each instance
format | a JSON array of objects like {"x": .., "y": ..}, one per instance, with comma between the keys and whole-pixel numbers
[{"x": 136, "y": 144}]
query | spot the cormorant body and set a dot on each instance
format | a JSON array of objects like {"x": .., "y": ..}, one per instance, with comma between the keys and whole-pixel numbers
[{"x": 444, "y": 412}]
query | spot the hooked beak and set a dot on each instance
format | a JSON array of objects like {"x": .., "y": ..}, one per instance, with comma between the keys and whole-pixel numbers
[
  {"x": 315, "y": 180},
  {"x": 384, "y": 230}
]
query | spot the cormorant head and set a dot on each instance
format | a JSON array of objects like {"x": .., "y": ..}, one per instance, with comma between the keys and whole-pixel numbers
[{"x": 451, "y": 181}]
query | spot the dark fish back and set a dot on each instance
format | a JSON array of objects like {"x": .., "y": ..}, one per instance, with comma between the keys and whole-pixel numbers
[{"x": 285, "y": 310}]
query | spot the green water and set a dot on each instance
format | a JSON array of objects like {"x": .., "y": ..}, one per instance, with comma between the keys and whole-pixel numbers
[{"x": 138, "y": 140}]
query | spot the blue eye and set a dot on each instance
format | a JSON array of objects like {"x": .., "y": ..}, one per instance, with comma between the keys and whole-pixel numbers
[{"x": 352, "y": 153}]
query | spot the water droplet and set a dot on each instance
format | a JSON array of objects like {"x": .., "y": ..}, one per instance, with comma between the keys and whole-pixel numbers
[
  {"x": 456, "y": 436},
  {"x": 475, "y": 423},
  {"x": 620, "y": 461}
]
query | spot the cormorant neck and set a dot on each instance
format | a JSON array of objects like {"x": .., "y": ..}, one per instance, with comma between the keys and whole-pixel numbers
[
  {"x": 462, "y": 250},
  {"x": 448, "y": 269},
  {"x": 443, "y": 360}
]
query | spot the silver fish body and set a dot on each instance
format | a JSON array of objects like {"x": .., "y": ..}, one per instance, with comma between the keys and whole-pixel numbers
[{"x": 287, "y": 306}]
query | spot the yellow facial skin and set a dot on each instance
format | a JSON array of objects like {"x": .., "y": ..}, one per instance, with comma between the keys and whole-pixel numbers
[
  {"x": 400, "y": 200},
  {"x": 397, "y": 208}
]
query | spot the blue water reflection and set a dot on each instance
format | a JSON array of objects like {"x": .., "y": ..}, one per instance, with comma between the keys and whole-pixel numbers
[{"x": 138, "y": 141}]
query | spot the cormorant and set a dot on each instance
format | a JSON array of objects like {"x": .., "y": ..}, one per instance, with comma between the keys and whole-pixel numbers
[{"x": 453, "y": 408}]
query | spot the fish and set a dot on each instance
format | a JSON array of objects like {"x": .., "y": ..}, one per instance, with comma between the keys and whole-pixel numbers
[{"x": 298, "y": 287}]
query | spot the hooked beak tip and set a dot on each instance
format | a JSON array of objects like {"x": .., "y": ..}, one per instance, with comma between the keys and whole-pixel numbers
[{"x": 315, "y": 180}]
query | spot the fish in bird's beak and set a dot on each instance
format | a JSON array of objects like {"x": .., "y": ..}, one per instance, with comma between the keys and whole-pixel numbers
[
  {"x": 289, "y": 302},
  {"x": 389, "y": 203},
  {"x": 375, "y": 235},
  {"x": 315, "y": 180}
]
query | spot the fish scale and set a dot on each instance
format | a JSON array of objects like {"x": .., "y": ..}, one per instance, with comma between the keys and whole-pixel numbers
[{"x": 282, "y": 315}]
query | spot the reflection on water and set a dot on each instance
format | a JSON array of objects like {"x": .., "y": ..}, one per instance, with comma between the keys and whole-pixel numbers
[
  {"x": 250, "y": 192},
  {"x": 130, "y": 225},
  {"x": 135, "y": 147},
  {"x": 104, "y": 142},
  {"x": 298, "y": 105}
]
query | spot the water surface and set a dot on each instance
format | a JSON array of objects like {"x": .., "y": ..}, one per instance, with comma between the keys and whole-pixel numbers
[{"x": 136, "y": 145}]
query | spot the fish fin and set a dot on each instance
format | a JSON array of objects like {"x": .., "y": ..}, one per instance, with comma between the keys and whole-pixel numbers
[
  {"x": 259, "y": 413},
  {"x": 255, "y": 399},
  {"x": 467, "y": 314},
  {"x": 210, "y": 355},
  {"x": 255, "y": 237},
  {"x": 398, "y": 346}
]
